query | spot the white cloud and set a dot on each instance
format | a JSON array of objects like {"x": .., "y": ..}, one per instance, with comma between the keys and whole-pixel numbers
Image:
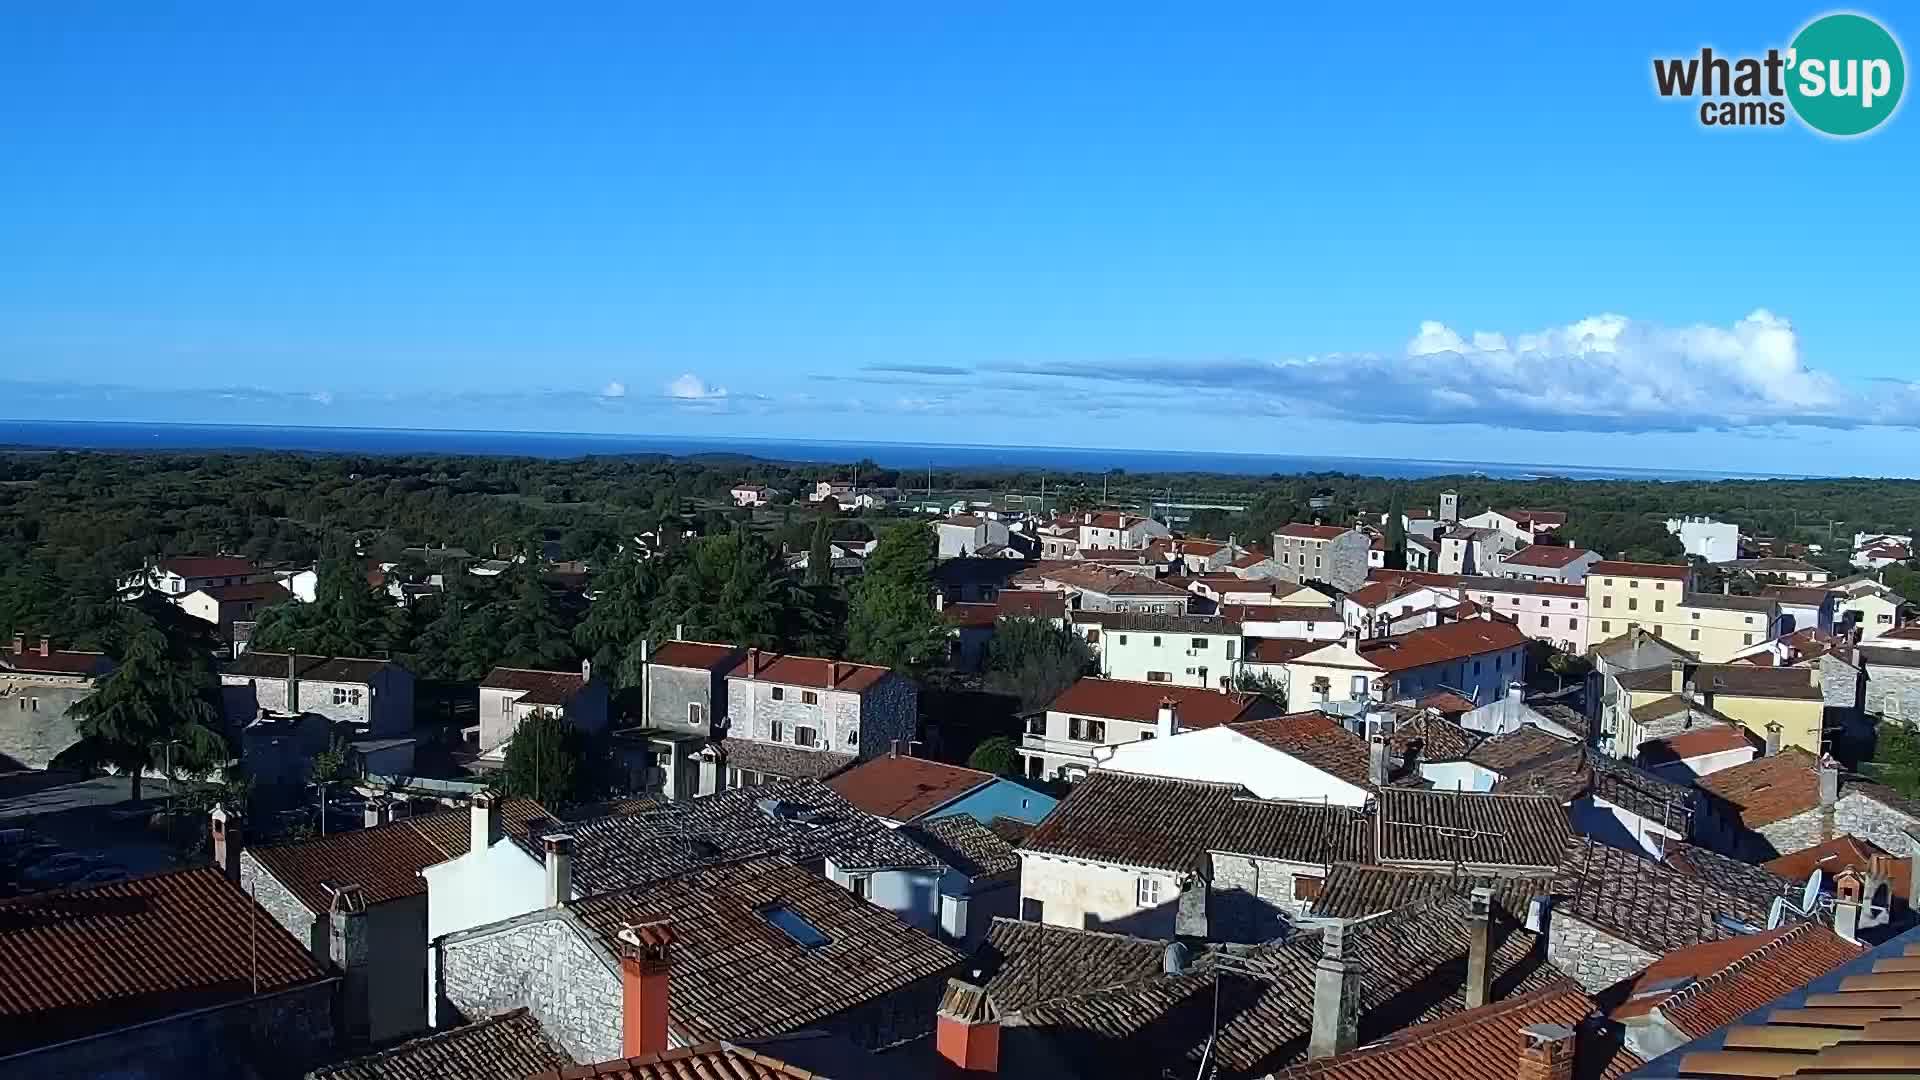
[
  {"x": 691, "y": 387},
  {"x": 1604, "y": 373},
  {"x": 322, "y": 397},
  {"x": 614, "y": 389}
]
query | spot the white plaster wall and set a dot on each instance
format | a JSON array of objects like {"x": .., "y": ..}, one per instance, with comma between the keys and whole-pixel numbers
[
  {"x": 1070, "y": 890},
  {"x": 1458, "y": 775},
  {"x": 1222, "y": 755},
  {"x": 476, "y": 889}
]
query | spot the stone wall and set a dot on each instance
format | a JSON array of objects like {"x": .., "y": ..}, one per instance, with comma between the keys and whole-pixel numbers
[
  {"x": 891, "y": 1018},
  {"x": 1854, "y": 815},
  {"x": 545, "y": 963},
  {"x": 273, "y": 1038},
  {"x": 286, "y": 909},
  {"x": 1589, "y": 955},
  {"x": 1252, "y": 899},
  {"x": 1891, "y": 691},
  {"x": 36, "y": 721},
  {"x": 316, "y": 697},
  {"x": 892, "y": 712},
  {"x": 671, "y": 690}
]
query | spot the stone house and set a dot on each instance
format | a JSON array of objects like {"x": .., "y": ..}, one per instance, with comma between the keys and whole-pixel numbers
[
  {"x": 509, "y": 695},
  {"x": 1329, "y": 553},
  {"x": 1104, "y": 588},
  {"x": 374, "y": 695},
  {"x": 1542, "y": 562},
  {"x": 739, "y": 950},
  {"x": 1789, "y": 801},
  {"x": 172, "y": 976},
  {"x": 683, "y": 699},
  {"x": 182, "y": 574},
  {"x": 39, "y": 685},
  {"x": 802, "y": 716},
  {"x": 1889, "y": 682}
]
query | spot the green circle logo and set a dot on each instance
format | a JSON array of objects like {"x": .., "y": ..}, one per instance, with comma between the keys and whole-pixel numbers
[{"x": 1845, "y": 74}]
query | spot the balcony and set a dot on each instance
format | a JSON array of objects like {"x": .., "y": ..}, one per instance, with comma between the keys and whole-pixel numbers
[{"x": 1072, "y": 748}]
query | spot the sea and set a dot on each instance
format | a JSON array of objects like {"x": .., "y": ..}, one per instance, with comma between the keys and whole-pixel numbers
[{"x": 102, "y": 435}]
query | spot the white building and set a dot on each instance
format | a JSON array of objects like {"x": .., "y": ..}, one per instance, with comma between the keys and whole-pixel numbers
[
  {"x": 1522, "y": 526},
  {"x": 1093, "y": 713},
  {"x": 1107, "y": 530},
  {"x": 1177, "y": 650},
  {"x": 509, "y": 695},
  {"x": 183, "y": 574},
  {"x": 1540, "y": 562},
  {"x": 1705, "y": 538},
  {"x": 1543, "y": 610},
  {"x": 1871, "y": 551},
  {"x": 1474, "y": 550},
  {"x": 751, "y": 495},
  {"x": 966, "y": 534},
  {"x": 1476, "y": 658},
  {"x": 1288, "y": 622},
  {"x": 1307, "y": 756},
  {"x": 1372, "y": 610}
]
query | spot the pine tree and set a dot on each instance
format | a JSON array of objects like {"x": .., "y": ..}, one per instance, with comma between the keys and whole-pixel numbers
[
  {"x": 547, "y": 761},
  {"x": 619, "y": 619},
  {"x": 820, "y": 556},
  {"x": 893, "y": 621},
  {"x": 1396, "y": 533}
]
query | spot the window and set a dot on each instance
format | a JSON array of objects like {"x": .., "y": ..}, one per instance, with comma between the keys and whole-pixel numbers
[
  {"x": 1199, "y": 643},
  {"x": 1695, "y": 614},
  {"x": 1358, "y": 689},
  {"x": 1159, "y": 676},
  {"x": 1156, "y": 641},
  {"x": 1316, "y": 562},
  {"x": 1543, "y": 622},
  {"x": 779, "y": 693},
  {"x": 343, "y": 695},
  {"x": 1322, "y": 686},
  {"x": 776, "y": 731},
  {"x": 1605, "y": 626},
  {"x": 1893, "y": 703},
  {"x": 1606, "y": 581},
  {"x": 1659, "y": 584},
  {"x": 1693, "y": 634},
  {"x": 1748, "y": 639},
  {"x": 1606, "y": 601},
  {"x": 795, "y": 926},
  {"x": 1231, "y": 644},
  {"x": 1659, "y": 630},
  {"x": 1573, "y": 624},
  {"x": 696, "y": 714},
  {"x": 1633, "y": 603},
  {"x": 1145, "y": 735},
  {"x": 1476, "y": 667},
  {"x": 808, "y": 697},
  {"x": 1546, "y": 604},
  {"x": 1146, "y": 892},
  {"x": 805, "y": 736},
  {"x": 1659, "y": 605},
  {"x": 1633, "y": 584},
  {"x": 1883, "y": 618},
  {"x": 1081, "y": 729},
  {"x": 1749, "y": 620},
  {"x": 862, "y": 885},
  {"x": 1031, "y": 910},
  {"x": 1123, "y": 639}
]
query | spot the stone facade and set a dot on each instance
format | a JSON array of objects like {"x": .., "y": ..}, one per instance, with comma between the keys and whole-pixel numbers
[
  {"x": 1853, "y": 815},
  {"x": 1253, "y": 899},
  {"x": 1590, "y": 956},
  {"x": 271, "y": 1038},
  {"x": 36, "y": 719},
  {"x": 864, "y": 724},
  {"x": 385, "y": 705},
  {"x": 544, "y": 963},
  {"x": 1892, "y": 691},
  {"x": 670, "y": 692},
  {"x": 286, "y": 909}
]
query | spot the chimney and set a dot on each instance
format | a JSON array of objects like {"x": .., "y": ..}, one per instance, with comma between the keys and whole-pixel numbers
[
  {"x": 1377, "y": 760},
  {"x": 1546, "y": 1053},
  {"x": 1913, "y": 867},
  {"x": 483, "y": 830},
  {"x": 679, "y": 631},
  {"x": 376, "y": 813},
  {"x": 1849, "y": 893},
  {"x": 646, "y": 950},
  {"x": 559, "y": 849},
  {"x": 1167, "y": 721},
  {"x": 1190, "y": 919},
  {"x": 46, "y": 645},
  {"x": 1678, "y": 683},
  {"x": 1773, "y": 739},
  {"x": 225, "y": 828},
  {"x": 966, "y": 1030},
  {"x": 1479, "y": 971},
  {"x": 833, "y": 674},
  {"x": 1814, "y": 674},
  {"x": 293, "y": 683},
  {"x": 351, "y": 952},
  {"x": 1829, "y": 782},
  {"x": 1336, "y": 997},
  {"x": 753, "y": 661},
  {"x": 586, "y": 671},
  {"x": 19, "y": 643}
]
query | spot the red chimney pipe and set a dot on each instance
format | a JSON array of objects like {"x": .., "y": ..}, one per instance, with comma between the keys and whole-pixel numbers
[{"x": 646, "y": 951}]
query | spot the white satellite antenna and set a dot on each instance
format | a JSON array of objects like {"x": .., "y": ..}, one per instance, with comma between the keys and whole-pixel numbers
[{"x": 1809, "y": 903}]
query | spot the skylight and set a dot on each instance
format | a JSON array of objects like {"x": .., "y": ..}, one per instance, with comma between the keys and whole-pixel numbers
[{"x": 790, "y": 922}]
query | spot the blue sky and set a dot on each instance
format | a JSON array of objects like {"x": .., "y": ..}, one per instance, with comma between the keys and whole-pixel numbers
[{"x": 1409, "y": 233}]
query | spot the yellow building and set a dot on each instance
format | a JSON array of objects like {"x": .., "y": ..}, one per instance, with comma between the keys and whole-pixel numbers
[
  {"x": 1757, "y": 697},
  {"x": 1627, "y": 596},
  {"x": 1719, "y": 627}
]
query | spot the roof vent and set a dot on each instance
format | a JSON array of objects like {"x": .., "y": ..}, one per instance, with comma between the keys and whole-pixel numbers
[
  {"x": 1732, "y": 925},
  {"x": 1174, "y": 960}
]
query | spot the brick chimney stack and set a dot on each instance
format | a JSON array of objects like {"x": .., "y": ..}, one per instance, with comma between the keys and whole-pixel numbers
[
  {"x": 833, "y": 674},
  {"x": 753, "y": 662},
  {"x": 1479, "y": 948},
  {"x": 46, "y": 647},
  {"x": 225, "y": 828},
  {"x": 1546, "y": 1053},
  {"x": 646, "y": 952},
  {"x": 1336, "y": 997},
  {"x": 483, "y": 829},
  {"x": 967, "y": 1029}
]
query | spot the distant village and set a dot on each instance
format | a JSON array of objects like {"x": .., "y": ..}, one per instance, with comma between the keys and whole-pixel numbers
[{"x": 1436, "y": 793}]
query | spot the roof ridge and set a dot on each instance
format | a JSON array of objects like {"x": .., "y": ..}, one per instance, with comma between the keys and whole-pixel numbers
[
  {"x": 1073, "y": 930},
  {"x": 1797, "y": 933}
]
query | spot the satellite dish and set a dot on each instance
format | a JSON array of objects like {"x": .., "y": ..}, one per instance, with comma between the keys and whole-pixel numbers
[
  {"x": 1811, "y": 894},
  {"x": 1777, "y": 914}
]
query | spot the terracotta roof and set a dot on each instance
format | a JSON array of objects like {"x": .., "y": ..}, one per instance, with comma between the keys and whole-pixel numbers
[
  {"x": 1545, "y": 556},
  {"x": 778, "y": 759},
  {"x": 1735, "y": 680},
  {"x": 511, "y": 1046},
  {"x": 1511, "y": 752},
  {"x": 1277, "y": 650},
  {"x": 965, "y": 845},
  {"x": 1120, "y": 699},
  {"x": 339, "y": 669},
  {"x": 536, "y": 687},
  {"x": 808, "y": 671},
  {"x": 56, "y": 662},
  {"x": 734, "y": 971},
  {"x": 1463, "y": 827},
  {"x": 1768, "y": 789},
  {"x": 1158, "y": 823},
  {"x": 1412, "y": 966},
  {"x": 695, "y": 655},
  {"x": 1029, "y": 604},
  {"x": 1304, "y": 531},
  {"x": 1482, "y": 1044},
  {"x": 1316, "y": 739},
  {"x": 1804, "y": 595},
  {"x": 1843, "y": 853},
  {"x": 970, "y": 615},
  {"x": 1644, "y": 903},
  {"x": 1355, "y": 891},
  {"x": 85, "y": 961},
  {"x": 1707, "y": 986},
  {"x": 271, "y": 591},
  {"x": 1524, "y": 587},
  {"x": 1756, "y": 884},
  {"x": 1106, "y": 582},
  {"x": 199, "y": 566},
  {"x": 1436, "y": 737},
  {"x": 1581, "y": 772},
  {"x": 1619, "y": 568},
  {"x": 1673, "y": 705},
  {"x": 1148, "y": 622},
  {"x": 904, "y": 788},
  {"x": 1375, "y": 593},
  {"x": 802, "y": 1055},
  {"x": 1698, "y": 742},
  {"x": 1023, "y": 963},
  {"x": 1441, "y": 644},
  {"x": 1313, "y": 613},
  {"x": 1549, "y": 518}
]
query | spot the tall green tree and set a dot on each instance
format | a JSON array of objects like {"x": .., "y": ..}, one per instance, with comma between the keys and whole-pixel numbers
[
  {"x": 998, "y": 755},
  {"x": 729, "y": 587},
  {"x": 892, "y": 620},
  {"x": 1396, "y": 532},
  {"x": 530, "y": 628},
  {"x": 348, "y": 617},
  {"x": 820, "y": 555},
  {"x": 619, "y": 619},
  {"x": 1034, "y": 661},
  {"x": 160, "y": 703},
  {"x": 547, "y": 761}
]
